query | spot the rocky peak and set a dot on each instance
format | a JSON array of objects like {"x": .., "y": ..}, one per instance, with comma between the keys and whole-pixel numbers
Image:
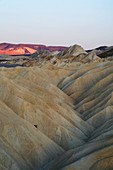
[{"x": 74, "y": 50}]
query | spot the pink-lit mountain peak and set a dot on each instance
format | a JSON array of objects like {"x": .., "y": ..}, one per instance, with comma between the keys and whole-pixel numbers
[{"x": 26, "y": 49}]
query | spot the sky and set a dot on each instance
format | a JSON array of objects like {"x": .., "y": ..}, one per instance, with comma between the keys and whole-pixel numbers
[{"x": 88, "y": 23}]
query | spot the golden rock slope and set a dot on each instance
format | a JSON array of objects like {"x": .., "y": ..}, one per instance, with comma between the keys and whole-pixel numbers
[{"x": 52, "y": 119}]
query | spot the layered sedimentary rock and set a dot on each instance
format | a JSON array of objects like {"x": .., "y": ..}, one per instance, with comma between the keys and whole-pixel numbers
[
  {"x": 91, "y": 88},
  {"x": 57, "y": 117}
]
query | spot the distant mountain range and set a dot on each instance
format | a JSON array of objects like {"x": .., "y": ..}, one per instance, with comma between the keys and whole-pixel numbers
[
  {"x": 75, "y": 52},
  {"x": 26, "y": 49}
]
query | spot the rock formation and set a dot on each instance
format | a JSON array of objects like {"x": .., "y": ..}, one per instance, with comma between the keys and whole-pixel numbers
[
  {"x": 74, "y": 51},
  {"x": 108, "y": 53},
  {"x": 58, "y": 114}
]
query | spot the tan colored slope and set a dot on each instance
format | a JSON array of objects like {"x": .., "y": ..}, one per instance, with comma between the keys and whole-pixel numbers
[
  {"x": 44, "y": 106},
  {"x": 21, "y": 146},
  {"x": 102, "y": 159},
  {"x": 27, "y": 94},
  {"x": 68, "y": 112},
  {"x": 91, "y": 88}
]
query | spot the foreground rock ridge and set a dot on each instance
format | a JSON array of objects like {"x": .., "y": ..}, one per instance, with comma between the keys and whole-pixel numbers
[{"x": 58, "y": 115}]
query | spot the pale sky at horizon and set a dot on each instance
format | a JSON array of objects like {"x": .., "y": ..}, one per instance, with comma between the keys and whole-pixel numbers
[{"x": 88, "y": 23}]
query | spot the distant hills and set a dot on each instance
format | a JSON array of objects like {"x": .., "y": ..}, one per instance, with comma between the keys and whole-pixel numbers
[
  {"x": 26, "y": 49},
  {"x": 41, "y": 55},
  {"x": 43, "y": 50}
]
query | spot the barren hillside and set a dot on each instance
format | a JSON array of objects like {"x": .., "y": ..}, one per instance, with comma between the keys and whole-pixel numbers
[{"x": 58, "y": 116}]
